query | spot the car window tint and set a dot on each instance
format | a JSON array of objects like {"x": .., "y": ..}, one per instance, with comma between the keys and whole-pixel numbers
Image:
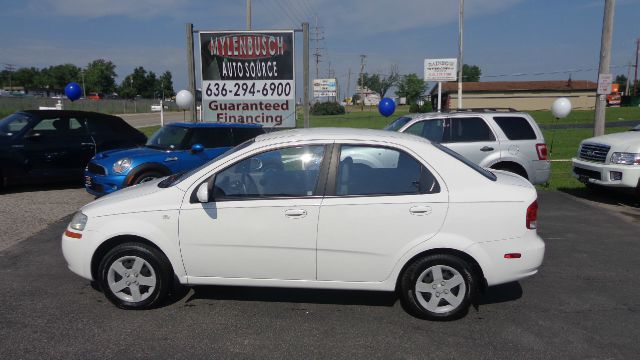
[
  {"x": 13, "y": 123},
  {"x": 110, "y": 126},
  {"x": 211, "y": 137},
  {"x": 365, "y": 170},
  {"x": 398, "y": 123},
  {"x": 470, "y": 129},
  {"x": 59, "y": 126},
  {"x": 241, "y": 135},
  {"x": 515, "y": 127},
  {"x": 432, "y": 129},
  {"x": 287, "y": 172}
]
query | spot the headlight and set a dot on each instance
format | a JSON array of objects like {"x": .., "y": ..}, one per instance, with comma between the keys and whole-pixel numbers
[
  {"x": 625, "y": 158},
  {"x": 78, "y": 222},
  {"x": 122, "y": 165}
]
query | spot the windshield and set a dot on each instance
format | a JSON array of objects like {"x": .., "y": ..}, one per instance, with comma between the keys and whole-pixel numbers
[
  {"x": 178, "y": 177},
  {"x": 397, "y": 123},
  {"x": 13, "y": 123},
  {"x": 484, "y": 172},
  {"x": 169, "y": 138}
]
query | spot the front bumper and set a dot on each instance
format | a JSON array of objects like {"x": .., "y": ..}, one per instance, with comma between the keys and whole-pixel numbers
[
  {"x": 76, "y": 253},
  {"x": 600, "y": 173},
  {"x": 100, "y": 185}
]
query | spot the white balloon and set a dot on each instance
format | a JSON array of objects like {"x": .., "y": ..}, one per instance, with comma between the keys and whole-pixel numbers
[
  {"x": 184, "y": 99},
  {"x": 561, "y": 108}
]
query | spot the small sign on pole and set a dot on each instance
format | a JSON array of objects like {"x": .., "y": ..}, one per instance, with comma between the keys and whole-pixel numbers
[
  {"x": 440, "y": 70},
  {"x": 604, "y": 84},
  {"x": 324, "y": 88}
]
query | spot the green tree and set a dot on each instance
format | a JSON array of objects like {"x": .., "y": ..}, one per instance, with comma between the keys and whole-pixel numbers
[
  {"x": 379, "y": 83},
  {"x": 166, "y": 85},
  {"x": 621, "y": 80},
  {"x": 412, "y": 87},
  {"x": 471, "y": 73},
  {"x": 60, "y": 75},
  {"x": 100, "y": 77},
  {"x": 27, "y": 78}
]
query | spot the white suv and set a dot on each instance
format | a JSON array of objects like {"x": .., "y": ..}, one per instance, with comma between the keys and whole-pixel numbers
[
  {"x": 501, "y": 139},
  {"x": 610, "y": 160}
]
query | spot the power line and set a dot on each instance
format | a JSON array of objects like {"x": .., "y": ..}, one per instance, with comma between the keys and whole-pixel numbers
[{"x": 285, "y": 10}]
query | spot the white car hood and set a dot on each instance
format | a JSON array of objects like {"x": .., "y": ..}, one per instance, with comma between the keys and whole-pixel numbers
[
  {"x": 628, "y": 141},
  {"x": 143, "y": 197}
]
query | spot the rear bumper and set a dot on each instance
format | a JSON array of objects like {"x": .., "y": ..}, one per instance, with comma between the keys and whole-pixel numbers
[
  {"x": 600, "y": 174},
  {"x": 541, "y": 171},
  {"x": 499, "y": 270}
]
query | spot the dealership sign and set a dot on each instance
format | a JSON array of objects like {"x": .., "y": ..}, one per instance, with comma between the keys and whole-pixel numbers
[
  {"x": 248, "y": 77},
  {"x": 440, "y": 69},
  {"x": 324, "y": 87}
]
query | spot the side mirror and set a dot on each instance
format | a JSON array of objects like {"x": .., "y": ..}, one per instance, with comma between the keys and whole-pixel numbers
[
  {"x": 197, "y": 148},
  {"x": 203, "y": 192}
]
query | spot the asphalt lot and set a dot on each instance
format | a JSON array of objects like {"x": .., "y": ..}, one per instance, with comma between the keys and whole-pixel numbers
[{"x": 585, "y": 303}]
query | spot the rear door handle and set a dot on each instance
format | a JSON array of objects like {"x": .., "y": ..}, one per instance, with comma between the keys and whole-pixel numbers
[
  {"x": 486, "y": 148},
  {"x": 295, "y": 213},
  {"x": 420, "y": 210}
]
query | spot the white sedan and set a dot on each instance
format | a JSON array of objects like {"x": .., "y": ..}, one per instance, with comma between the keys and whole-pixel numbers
[{"x": 309, "y": 208}]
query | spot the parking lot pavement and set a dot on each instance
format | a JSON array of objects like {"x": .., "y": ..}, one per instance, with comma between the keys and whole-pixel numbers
[
  {"x": 151, "y": 119},
  {"x": 585, "y": 303},
  {"x": 27, "y": 210}
]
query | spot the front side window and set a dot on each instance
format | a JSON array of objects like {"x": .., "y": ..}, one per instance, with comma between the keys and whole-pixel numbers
[
  {"x": 287, "y": 172},
  {"x": 368, "y": 170},
  {"x": 168, "y": 138},
  {"x": 470, "y": 129},
  {"x": 432, "y": 130},
  {"x": 13, "y": 124}
]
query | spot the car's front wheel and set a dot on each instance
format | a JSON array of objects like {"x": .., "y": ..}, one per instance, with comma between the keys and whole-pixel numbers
[
  {"x": 147, "y": 176},
  {"x": 438, "y": 287},
  {"x": 135, "y": 276}
]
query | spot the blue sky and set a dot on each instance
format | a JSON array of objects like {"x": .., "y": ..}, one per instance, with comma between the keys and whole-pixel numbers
[{"x": 502, "y": 37}]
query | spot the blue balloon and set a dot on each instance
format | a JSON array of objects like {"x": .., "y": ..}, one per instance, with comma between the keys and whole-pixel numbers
[
  {"x": 73, "y": 91},
  {"x": 386, "y": 107}
]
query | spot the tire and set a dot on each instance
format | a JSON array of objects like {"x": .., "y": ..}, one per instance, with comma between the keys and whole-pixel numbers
[
  {"x": 147, "y": 176},
  {"x": 438, "y": 287},
  {"x": 512, "y": 169},
  {"x": 135, "y": 276}
]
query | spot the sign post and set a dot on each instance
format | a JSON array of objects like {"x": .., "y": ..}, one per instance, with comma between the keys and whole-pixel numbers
[
  {"x": 440, "y": 70},
  {"x": 248, "y": 77}
]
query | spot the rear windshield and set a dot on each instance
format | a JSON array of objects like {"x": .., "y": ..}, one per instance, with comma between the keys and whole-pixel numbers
[
  {"x": 484, "y": 172},
  {"x": 515, "y": 127},
  {"x": 398, "y": 123}
]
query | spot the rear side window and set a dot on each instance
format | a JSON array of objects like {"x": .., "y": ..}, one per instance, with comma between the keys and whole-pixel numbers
[
  {"x": 515, "y": 127},
  {"x": 397, "y": 123},
  {"x": 211, "y": 137},
  {"x": 108, "y": 127},
  {"x": 241, "y": 135},
  {"x": 470, "y": 129}
]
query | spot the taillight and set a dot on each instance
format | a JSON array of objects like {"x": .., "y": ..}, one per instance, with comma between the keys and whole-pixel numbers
[
  {"x": 532, "y": 215},
  {"x": 542, "y": 151}
]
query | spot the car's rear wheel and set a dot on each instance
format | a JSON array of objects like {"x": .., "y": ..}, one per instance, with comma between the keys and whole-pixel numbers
[
  {"x": 438, "y": 287},
  {"x": 513, "y": 168},
  {"x": 147, "y": 176},
  {"x": 135, "y": 276}
]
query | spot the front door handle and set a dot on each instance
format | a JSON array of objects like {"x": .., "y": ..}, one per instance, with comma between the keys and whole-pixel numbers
[
  {"x": 486, "y": 148},
  {"x": 295, "y": 213},
  {"x": 420, "y": 210}
]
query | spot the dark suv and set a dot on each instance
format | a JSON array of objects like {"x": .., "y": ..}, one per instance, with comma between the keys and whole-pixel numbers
[{"x": 43, "y": 146}]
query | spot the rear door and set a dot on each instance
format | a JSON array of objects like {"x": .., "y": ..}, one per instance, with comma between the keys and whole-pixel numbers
[
  {"x": 383, "y": 202},
  {"x": 474, "y": 139}
]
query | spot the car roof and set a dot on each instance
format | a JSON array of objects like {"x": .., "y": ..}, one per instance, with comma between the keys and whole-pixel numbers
[
  {"x": 455, "y": 112},
  {"x": 308, "y": 134},
  {"x": 213, "y": 125}
]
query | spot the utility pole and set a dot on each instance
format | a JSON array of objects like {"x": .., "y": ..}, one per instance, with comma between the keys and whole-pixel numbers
[
  {"x": 192, "y": 70},
  {"x": 84, "y": 90},
  {"x": 362, "y": 59},
  {"x": 10, "y": 68},
  {"x": 605, "y": 61},
  {"x": 248, "y": 14},
  {"x": 460, "y": 59},
  {"x": 635, "y": 79},
  {"x": 305, "y": 72},
  {"x": 626, "y": 90},
  {"x": 348, "y": 83},
  {"x": 317, "y": 53}
]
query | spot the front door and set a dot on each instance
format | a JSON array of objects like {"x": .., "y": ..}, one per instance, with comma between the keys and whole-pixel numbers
[{"x": 262, "y": 220}]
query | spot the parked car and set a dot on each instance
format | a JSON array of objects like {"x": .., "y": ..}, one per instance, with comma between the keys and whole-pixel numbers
[
  {"x": 173, "y": 148},
  {"x": 42, "y": 146},
  {"x": 431, "y": 225},
  {"x": 611, "y": 160},
  {"x": 502, "y": 139}
]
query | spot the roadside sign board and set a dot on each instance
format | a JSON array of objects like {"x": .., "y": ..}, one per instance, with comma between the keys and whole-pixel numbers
[
  {"x": 248, "y": 77},
  {"x": 440, "y": 69},
  {"x": 324, "y": 87},
  {"x": 604, "y": 84}
]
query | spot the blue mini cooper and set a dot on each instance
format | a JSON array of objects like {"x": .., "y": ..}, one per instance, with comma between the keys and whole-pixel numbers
[{"x": 173, "y": 148}]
